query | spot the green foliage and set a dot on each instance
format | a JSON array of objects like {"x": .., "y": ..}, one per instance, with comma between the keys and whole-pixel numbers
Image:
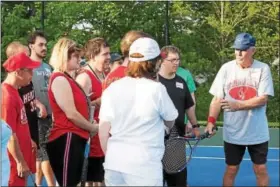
[{"x": 204, "y": 31}]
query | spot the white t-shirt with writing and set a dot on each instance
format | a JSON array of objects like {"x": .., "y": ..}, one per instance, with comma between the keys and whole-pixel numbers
[
  {"x": 136, "y": 108},
  {"x": 244, "y": 127}
]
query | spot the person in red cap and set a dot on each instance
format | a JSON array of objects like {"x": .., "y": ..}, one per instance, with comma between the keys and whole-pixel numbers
[{"x": 19, "y": 73}]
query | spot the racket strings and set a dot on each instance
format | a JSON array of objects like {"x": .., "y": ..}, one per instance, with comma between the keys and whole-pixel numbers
[{"x": 174, "y": 159}]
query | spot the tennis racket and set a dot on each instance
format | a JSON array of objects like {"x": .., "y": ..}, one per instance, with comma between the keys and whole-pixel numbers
[
  {"x": 87, "y": 151},
  {"x": 179, "y": 150}
]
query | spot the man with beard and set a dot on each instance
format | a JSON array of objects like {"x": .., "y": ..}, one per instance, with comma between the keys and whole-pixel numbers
[{"x": 37, "y": 45}]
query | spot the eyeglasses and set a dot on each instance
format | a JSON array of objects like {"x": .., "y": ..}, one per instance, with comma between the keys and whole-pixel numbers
[{"x": 173, "y": 60}]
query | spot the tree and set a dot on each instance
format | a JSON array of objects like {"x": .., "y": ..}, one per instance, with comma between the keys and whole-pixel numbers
[{"x": 203, "y": 31}]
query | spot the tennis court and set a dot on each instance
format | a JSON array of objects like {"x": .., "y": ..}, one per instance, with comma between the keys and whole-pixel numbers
[{"x": 208, "y": 165}]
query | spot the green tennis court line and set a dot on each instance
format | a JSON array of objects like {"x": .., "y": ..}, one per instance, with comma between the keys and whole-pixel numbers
[
  {"x": 220, "y": 124},
  {"x": 217, "y": 140}
]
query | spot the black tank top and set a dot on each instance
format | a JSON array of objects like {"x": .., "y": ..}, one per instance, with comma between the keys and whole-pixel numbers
[{"x": 27, "y": 95}]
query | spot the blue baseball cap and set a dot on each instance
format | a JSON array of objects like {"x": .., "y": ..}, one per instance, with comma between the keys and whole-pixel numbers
[
  {"x": 244, "y": 41},
  {"x": 114, "y": 57}
]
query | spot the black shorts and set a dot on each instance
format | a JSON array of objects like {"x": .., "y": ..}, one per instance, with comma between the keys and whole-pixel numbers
[
  {"x": 95, "y": 169},
  {"x": 177, "y": 179},
  {"x": 66, "y": 155},
  {"x": 44, "y": 129},
  {"x": 33, "y": 127},
  {"x": 234, "y": 153}
]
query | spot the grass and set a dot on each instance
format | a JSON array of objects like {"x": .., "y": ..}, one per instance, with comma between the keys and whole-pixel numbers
[{"x": 220, "y": 124}]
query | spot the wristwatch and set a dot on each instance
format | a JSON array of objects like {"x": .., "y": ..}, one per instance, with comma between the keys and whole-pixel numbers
[{"x": 195, "y": 126}]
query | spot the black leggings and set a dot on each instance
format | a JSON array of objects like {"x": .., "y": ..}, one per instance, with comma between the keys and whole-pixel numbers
[
  {"x": 66, "y": 155},
  {"x": 176, "y": 179}
]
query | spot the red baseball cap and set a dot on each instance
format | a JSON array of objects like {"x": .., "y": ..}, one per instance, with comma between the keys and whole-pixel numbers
[{"x": 19, "y": 61}]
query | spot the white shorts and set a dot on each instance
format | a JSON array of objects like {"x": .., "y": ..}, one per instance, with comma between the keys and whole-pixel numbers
[{"x": 115, "y": 178}]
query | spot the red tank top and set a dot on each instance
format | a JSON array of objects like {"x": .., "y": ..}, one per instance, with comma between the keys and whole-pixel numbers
[
  {"x": 96, "y": 86},
  {"x": 61, "y": 124}
]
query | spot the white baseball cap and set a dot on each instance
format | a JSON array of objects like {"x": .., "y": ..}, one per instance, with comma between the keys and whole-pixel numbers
[{"x": 145, "y": 46}]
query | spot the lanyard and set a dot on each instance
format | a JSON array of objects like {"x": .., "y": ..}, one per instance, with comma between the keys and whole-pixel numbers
[{"x": 96, "y": 74}]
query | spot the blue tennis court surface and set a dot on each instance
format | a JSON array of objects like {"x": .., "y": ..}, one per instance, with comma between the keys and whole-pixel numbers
[{"x": 207, "y": 167}]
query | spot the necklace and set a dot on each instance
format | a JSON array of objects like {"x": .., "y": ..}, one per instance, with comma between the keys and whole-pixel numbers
[{"x": 95, "y": 74}]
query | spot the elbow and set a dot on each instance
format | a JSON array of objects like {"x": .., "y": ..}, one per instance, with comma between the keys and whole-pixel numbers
[
  {"x": 103, "y": 141},
  {"x": 169, "y": 124},
  {"x": 71, "y": 115},
  {"x": 265, "y": 100},
  {"x": 172, "y": 124},
  {"x": 262, "y": 100}
]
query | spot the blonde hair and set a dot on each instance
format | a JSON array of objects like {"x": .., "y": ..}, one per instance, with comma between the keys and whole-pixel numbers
[
  {"x": 61, "y": 53},
  {"x": 15, "y": 48},
  {"x": 129, "y": 38}
]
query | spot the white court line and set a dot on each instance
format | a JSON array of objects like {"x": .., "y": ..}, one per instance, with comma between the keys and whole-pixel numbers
[
  {"x": 223, "y": 146},
  {"x": 221, "y": 158}
]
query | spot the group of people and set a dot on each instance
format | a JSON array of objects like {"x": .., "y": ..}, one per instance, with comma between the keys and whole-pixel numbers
[
  {"x": 128, "y": 104},
  {"x": 25, "y": 101}
]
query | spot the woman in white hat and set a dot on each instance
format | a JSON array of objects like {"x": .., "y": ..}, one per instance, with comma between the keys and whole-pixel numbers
[{"x": 134, "y": 113}]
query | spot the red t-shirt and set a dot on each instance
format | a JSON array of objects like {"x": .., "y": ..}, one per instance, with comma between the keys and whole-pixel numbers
[
  {"x": 113, "y": 76},
  {"x": 96, "y": 85},
  {"x": 13, "y": 112},
  {"x": 61, "y": 123}
]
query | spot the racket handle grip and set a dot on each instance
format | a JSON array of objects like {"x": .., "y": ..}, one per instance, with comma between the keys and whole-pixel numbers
[
  {"x": 206, "y": 135},
  {"x": 91, "y": 116}
]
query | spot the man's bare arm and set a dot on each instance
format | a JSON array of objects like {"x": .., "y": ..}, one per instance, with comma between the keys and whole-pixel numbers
[
  {"x": 14, "y": 149},
  {"x": 244, "y": 105},
  {"x": 214, "y": 112}
]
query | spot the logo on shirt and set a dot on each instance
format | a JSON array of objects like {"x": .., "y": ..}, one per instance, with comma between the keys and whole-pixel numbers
[
  {"x": 179, "y": 85},
  {"x": 242, "y": 92},
  {"x": 23, "y": 117},
  {"x": 45, "y": 74},
  {"x": 28, "y": 97}
]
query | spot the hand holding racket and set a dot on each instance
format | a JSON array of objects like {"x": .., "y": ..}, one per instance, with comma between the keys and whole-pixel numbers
[
  {"x": 178, "y": 151},
  {"x": 211, "y": 129}
]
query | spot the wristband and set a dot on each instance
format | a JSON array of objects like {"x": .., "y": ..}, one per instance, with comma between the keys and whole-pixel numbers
[{"x": 211, "y": 119}]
